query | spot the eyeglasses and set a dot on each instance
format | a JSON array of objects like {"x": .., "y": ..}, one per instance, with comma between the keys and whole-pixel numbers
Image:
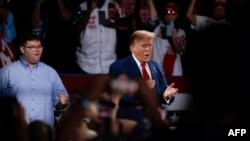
[
  {"x": 33, "y": 48},
  {"x": 171, "y": 12}
]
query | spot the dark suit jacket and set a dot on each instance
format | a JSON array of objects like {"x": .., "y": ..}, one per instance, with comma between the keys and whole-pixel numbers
[{"x": 129, "y": 67}]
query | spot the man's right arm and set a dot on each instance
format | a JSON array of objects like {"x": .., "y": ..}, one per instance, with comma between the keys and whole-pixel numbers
[
  {"x": 191, "y": 15},
  {"x": 80, "y": 24}
]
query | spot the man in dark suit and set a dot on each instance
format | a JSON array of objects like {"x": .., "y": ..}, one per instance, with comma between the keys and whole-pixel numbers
[{"x": 141, "y": 46}]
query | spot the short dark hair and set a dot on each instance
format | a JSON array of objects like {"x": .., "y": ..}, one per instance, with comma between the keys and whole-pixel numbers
[{"x": 28, "y": 37}]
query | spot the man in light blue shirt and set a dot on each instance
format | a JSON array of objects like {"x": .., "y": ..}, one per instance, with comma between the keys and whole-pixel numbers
[{"x": 37, "y": 86}]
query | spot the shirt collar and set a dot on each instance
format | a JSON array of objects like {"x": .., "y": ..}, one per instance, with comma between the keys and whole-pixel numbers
[
  {"x": 25, "y": 64},
  {"x": 138, "y": 62}
]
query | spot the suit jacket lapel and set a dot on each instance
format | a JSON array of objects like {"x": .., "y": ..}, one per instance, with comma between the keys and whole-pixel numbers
[
  {"x": 153, "y": 70},
  {"x": 132, "y": 67}
]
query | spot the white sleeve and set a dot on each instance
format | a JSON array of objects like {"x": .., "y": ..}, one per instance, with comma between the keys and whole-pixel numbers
[{"x": 201, "y": 22}]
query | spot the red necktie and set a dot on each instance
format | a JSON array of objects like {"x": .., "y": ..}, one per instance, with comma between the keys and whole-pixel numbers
[{"x": 144, "y": 72}]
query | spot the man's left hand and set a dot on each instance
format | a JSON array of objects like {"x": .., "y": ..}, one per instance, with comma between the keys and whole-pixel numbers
[
  {"x": 170, "y": 91},
  {"x": 63, "y": 99}
]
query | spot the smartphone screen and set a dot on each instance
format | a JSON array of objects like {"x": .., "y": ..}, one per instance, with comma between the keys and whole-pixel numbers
[
  {"x": 169, "y": 28},
  {"x": 102, "y": 17}
]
